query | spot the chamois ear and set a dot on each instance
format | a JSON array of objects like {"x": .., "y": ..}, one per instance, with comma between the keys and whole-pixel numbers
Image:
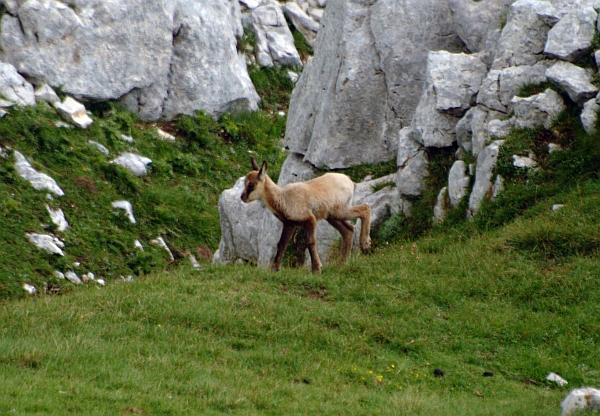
[
  {"x": 263, "y": 171},
  {"x": 254, "y": 164}
]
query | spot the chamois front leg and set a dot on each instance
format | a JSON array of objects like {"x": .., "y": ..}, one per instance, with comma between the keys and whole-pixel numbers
[
  {"x": 310, "y": 228},
  {"x": 286, "y": 235},
  {"x": 362, "y": 211}
]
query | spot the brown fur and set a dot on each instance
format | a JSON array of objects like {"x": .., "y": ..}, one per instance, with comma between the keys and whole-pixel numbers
[{"x": 302, "y": 204}]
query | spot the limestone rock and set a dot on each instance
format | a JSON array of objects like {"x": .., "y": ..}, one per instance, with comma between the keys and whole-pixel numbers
[
  {"x": 575, "y": 80},
  {"x": 46, "y": 93},
  {"x": 524, "y": 162},
  {"x": 48, "y": 243},
  {"x": 30, "y": 289},
  {"x": 58, "y": 218},
  {"x": 410, "y": 180},
  {"x": 475, "y": 21},
  {"x": 408, "y": 145},
  {"x": 294, "y": 169},
  {"x": 160, "y": 57},
  {"x": 571, "y": 38},
  {"x": 458, "y": 182},
  {"x": 100, "y": 147},
  {"x": 274, "y": 40},
  {"x": 73, "y": 278},
  {"x": 524, "y": 37},
  {"x": 163, "y": 135},
  {"x": 73, "y": 112},
  {"x": 501, "y": 85},
  {"x": 538, "y": 110},
  {"x": 452, "y": 83},
  {"x": 486, "y": 162},
  {"x": 439, "y": 210},
  {"x": 248, "y": 231},
  {"x": 589, "y": 116},
  {"x": 127, "y": 207},
  {"x": 365, "y": 80},
  {"x": 498, "y": 187},
  {"x": 303, "y": 22},
  {"x": 473, "y": 130},
  {"x": 585, "y": 398},
  {"x": 160, "y": 242},
  {"x": 136, "y": 164},
  {"x": 13, "y": 86},
  {"x": 557, "y": 379},
  {"x": 39, "y": 181}
]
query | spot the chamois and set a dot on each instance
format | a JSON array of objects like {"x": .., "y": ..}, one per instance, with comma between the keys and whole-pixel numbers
[{"x": 302, "y": 204}]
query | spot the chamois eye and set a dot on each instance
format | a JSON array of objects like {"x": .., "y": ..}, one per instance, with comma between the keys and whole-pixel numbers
[{"x": 250, "y": 187}]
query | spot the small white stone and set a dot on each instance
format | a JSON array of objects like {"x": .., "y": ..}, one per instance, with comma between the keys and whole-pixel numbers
[
  {"x": 293, "y": 76},
  {"x": 73, "y": 278},
  {"x": 136, "y": 164},
  {"x": 29, "y": 288},
  {"x": 47, "y": 94},
  {"x": 62, "y": 125},
  {"x": 39, "y": 181},
  {"x": 556, "y": 207},
  {"x": 524, "y": 162},
  {"x": 48, "y": 243},
  {"x": 553, "y": 147},
  {"x": 194, "y": 262},
  {"x": 586, "y": 398},
  {"x": 127, "y": 279},
  {"x": 73, "y": 111},
  {"x": 58, "y": 218},
  {"x": 127, "y": 207},
  {"x": 59, "y": 275},
  {"x": 126, "y": 138},
  {"x": 281, "y": 114},
  {"x": 161, "y": 243},
  {"x": 100, "y": 147},
  {"x": 557, "y": 379},
  {"x": 6, "y": 103},
  {"x": 163, "y": 135},
  {"x": 76, "y": 264},
  {"x": 101, "y": 282},
  {"x": 138, "y": 245}
]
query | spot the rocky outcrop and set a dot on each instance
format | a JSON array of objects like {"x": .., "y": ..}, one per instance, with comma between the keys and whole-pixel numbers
[
  {"x": 365, "y": 79},
  {"x": 161, "y": 58}
]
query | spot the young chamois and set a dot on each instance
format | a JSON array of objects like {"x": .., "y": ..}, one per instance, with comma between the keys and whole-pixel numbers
[{"x": 302, "y": 204}]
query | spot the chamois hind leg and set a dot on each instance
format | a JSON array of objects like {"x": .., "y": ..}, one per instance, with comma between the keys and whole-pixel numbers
[
  {"x": 310, "y": 227},
  {"x": 362, "y": 211},
  {"x": 347, "y": 231},
  {"x": 286, "y": 235}
]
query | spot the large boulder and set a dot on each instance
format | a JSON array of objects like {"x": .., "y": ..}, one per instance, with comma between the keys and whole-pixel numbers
[
  {"x": 539, "y": 110},
  {"x": 365, "y": 79},
  {"x": 571, "y": 38},
  {"x": 576, "y": 81},
  {"x": 451, "y": 87},
  {"x": 476, "y": 21},
  {"x": 161, "y": 57},
  {"x": 524, "y": 37},
  {"x": 274, "y": 40}
]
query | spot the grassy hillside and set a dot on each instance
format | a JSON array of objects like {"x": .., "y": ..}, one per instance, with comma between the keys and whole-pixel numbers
[{"x": 360, "y": 339}]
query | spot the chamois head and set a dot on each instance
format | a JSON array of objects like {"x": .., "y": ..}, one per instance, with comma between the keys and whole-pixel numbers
[{"x": 255, "y": 182}]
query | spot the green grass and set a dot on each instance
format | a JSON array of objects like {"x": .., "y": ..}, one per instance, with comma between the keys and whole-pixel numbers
[{"x": 363, "y": 338}]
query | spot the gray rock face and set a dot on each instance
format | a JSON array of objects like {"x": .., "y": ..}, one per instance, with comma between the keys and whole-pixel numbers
[
  {"x": 46, "y": 93},
  {"x": 473, "y": 130},
  {"x": 165, "y": 56},
  {"x": 524, "y": 37},
  {"x": 274, "y": 40},
  {"x": 295, "y": 170},
  {"x": 500, "y": 86},
  {"x": 365, "y": 80},
  {"x": 452, "y": 83},
  {"x": 13, "y": 86},
  {"x": 475, "y": 22},
  {"x": 39, "y": 181},
  {"x": 575, "y": 80},
  {"x": 571, "y": 38},
  {"x": 458, "y": 182},
  {"x": 408, "y": 145},
  {"x": 136, "y": 164},
  {"x": 537, "y": 110},
  {"x": 486, "y": 162},
  {"x": 589, "y": 116},
  {"x": 248, "y": 231}
]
